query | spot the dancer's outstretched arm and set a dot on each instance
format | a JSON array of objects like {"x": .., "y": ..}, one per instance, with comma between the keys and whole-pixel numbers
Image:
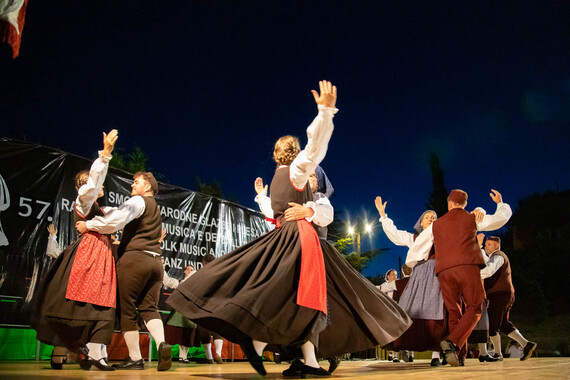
[
  {"x": 88, "y": 193},
  {"x": 318, "y": 136}
]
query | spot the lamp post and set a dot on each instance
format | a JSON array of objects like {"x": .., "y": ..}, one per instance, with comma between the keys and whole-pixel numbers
[{"x": 352, "y": 231}]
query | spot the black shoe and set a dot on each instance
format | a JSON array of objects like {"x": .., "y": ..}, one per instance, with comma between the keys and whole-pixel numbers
[
  {"x": 390, "y": 358},
  {"x": 101, "y": 364},
  {"x": 435, "y": 362},
  {"x": 128, "y": 363},
  {"x": 443, "y": 361},
  {"x": 311, "y": 371},
  {"x": 83, "y": 358},
  {"x": 461, "y": 362},
  {"x": 164, "y": 357},
  {"x": 294, "y": 369},
  {"x": 183, "y": 361},
  {"x": 487, "y": 358},
  {"x": 499, "y": 357},
  {"x": 528, "y": 350},
  {"x": 450, "y": 352},
  {"x": 56, "y": 365},
  {"x": 334, "y": 362},
  {"x": 277, "y": 358},
  {"x": 252, "y": 357},
  {"x": 395, "y": 360},
  {"x": 411, "y": 359}
]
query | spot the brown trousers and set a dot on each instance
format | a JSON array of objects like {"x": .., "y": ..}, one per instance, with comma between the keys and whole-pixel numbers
[
  {"x": 139, "y": 278},
  {"x": 500, "y": 305},
  {"x": 462, "y": 284}
]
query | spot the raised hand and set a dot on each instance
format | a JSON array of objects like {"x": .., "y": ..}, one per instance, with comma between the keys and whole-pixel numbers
[
  {"x": 381, "y": 207},
  {"x": 478, "y": 215},
  {"x": 480, "y": 238},
  {"x": 109, "y": 141},
  {"x": 51, "y": 229},
  {"x": 258, "y": 184},
  {"x": 327, "y": 97},
  {"x": 496, "y": 196},
  {"x": 297, "y": 211}
]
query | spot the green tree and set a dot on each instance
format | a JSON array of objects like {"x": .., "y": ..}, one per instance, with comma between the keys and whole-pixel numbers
[
  {"x": 213, "y": 188},
  {"x": 438, "y": 197}
]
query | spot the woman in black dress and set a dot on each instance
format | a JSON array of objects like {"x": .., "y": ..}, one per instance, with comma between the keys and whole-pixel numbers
[{"x": 272, "y": 289}]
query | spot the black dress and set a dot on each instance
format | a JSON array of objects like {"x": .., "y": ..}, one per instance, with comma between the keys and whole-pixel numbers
[
  {"x": 252, "y": 292},
  {"x": 60, "y": 321}
]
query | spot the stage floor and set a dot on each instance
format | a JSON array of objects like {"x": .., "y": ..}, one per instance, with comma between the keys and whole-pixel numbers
[{"x": 534, "y": 368}]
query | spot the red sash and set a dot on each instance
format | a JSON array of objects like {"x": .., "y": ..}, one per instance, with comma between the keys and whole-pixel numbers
[
  {"x": 92, "y": 278},
  {"x": 312, "y": 290}
]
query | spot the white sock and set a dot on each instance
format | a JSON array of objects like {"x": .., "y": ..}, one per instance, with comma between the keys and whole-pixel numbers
[
  {"x": 183, "y": 351},
  {"x": 104, "y": 351},
  {"x": 132, "y": 340},
  {"x": 208, "y": 350},
  {"x": 483, "y": 349},
  {"x": 218, "y": 344},
  {"x": 308, "y": 350},
  {"x": 435, "y": 354},
  {"x": 412, "y": 353},
  {"x": 156, "y": 330},
  {"x": 516, "y": 335},
  {"x": 496, "y": 339},
  {"x": 94, "y": 350},
  {"x": 259, "y": 346}
]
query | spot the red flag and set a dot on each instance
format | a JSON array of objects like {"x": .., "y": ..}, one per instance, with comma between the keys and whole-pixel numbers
[{"x": 12, "y": 14}]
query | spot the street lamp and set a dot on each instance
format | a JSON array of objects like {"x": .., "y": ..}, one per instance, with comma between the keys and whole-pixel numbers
[{"x": 352, "y": 231}]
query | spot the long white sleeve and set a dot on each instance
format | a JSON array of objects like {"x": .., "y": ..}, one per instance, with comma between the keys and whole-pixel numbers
[
  {"x": 324, "y": 211},
  {"x": 318, "y": 136},
  {"x": 395, "y": 235},
  {"x": 87, "y": 194},
  {"x": 264, "y": 203},
  {"x": 52, "y": 250},
  {"x": 170, "y": 282},
  {"x": 497, "y": 220},
  {"x": 492, "y": 266},
  {"x": 118, "y": 217},
  {"x": 422, "y": 246}
]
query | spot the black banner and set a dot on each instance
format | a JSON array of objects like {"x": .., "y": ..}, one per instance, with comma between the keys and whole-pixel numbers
[{"x": 37, "y": 188}]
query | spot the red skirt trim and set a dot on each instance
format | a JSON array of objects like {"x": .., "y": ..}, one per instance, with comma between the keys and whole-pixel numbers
[
  {"x": 93, "y": 278},
  {"x": 312, "y": 290}
]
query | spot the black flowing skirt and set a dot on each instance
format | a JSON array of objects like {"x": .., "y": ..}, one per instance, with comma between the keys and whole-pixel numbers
[
  {"x": 255, "y": 296},
  {"x": 361, "y": 316},
  {"x": 63, "y": 322},
  {"x": 252, "y": 292}
]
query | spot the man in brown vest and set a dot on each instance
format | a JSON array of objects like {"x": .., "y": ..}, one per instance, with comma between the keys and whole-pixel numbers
[
  {"x": 458, "y": 261},
  {"x": 139, "y": 269},
  {"x": 501, "y": 296}
]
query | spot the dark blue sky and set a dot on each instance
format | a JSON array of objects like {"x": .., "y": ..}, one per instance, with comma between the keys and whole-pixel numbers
[{"x": 206, "y": 87}]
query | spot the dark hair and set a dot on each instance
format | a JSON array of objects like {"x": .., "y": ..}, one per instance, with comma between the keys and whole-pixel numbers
[
  {"x": 208, "y": 259},
  {"x": 81, "y": 178},
  {"x": 148, "y": 177}
]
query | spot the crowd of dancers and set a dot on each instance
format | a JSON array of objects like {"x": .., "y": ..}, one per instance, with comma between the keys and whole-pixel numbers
[{"x": 288, "y": 291}]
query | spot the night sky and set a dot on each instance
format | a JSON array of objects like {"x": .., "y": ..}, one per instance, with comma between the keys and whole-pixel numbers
[{"x": 206, "y": 87}]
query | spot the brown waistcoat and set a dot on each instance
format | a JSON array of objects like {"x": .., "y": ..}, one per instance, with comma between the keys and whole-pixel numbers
[
  {"x": 501, "y": 281},
  {"x": 455, "y": 241},
  {"x": 143, "y": 233}
]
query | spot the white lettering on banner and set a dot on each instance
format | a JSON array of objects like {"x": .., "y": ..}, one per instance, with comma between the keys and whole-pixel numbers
[
  {"x": 184, "y": 216},
  {"x": 117, "y": 198},
  {"x": 67, "y": 205}
]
